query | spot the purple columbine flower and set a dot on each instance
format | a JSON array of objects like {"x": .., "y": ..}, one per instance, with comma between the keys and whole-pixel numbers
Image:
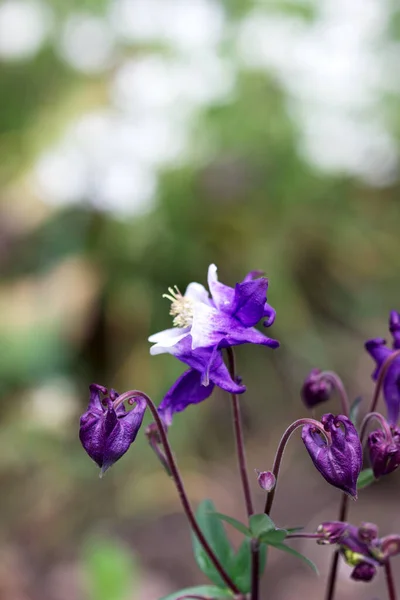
[
  {"x": 315, "y": 390},
  {"x": 384, "y": 452},
  {"x": 203, "y": 326},
  {"x": 107, "y": 429},
  {"x": 380, "y": 352},
  {"x": 339, "y": 461},
  {"x": 360, "y": 547}
]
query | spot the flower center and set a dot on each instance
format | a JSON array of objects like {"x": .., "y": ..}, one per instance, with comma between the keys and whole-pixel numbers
[{"x": 181, "y": 307}]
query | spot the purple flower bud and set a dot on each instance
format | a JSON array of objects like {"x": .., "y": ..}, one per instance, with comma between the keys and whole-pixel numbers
[
  {"x": 107, "y": 429},
  {"x": 315, "y": 390},
  {"x": 384, "y": 453},
  {"x": 364, "y": 571},
  {"x": 394, "y": 328},
  {"x": 339, "y": 461},
  {"x": 266, "y": 480}
]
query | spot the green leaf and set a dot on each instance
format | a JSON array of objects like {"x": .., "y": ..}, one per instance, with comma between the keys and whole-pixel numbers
[
  {"x": 275, "y": 536},
  {"x": 109, "y": 570},
  {"x": 235, "y": 523},
  {"x": 365, "y": 478},
  {"x": 210, "y": 591},
  {"x": 293, "y": 529},
  {"x": 240, "y": 569},
  {"x": 215, "y": 534},
  {"x": 354, "y": 409},
  {"x": 260, "y": 524},
  {"x": 295, "y": 553}
]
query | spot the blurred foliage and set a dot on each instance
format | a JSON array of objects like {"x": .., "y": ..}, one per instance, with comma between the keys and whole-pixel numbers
[
  {"x": 109, "y": 571},
  {"x": 81, "y": 290}
]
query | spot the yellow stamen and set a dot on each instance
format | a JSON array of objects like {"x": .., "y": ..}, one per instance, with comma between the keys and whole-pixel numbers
[{"x": 181, "y": 307}]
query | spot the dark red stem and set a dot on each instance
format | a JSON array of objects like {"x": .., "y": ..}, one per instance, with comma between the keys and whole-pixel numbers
[
  {"x": 180, "y": 487},
  {"x": 238, "y": 429},
  {"x": 390, "y": 581},
  {"x": 330, "y": 587}
]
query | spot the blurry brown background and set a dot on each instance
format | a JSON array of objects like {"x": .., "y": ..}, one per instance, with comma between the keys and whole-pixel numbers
[{"x": 141, "y": 140}]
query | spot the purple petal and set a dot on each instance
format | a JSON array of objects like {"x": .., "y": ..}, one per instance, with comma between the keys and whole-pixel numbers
[
  {"x": 222, "y": 295},
  {"x": 391, "y": 392},
  {"x": 208, "y": 360},
  {"x": 95, "y": 404},
  {"x": 122, "y": 434},
  {"x": 253, "y": 275},
  {"x": 188, "y": 389},
  {"x": 249, "y": 301},
  {"x": 394, "y": 328},
  {"x": 379, "y": 351},
  {"x": 215, "y": 328}
]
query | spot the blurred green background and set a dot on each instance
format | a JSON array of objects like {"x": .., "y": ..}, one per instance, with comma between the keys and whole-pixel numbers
[{"x": 141, "y": 140}]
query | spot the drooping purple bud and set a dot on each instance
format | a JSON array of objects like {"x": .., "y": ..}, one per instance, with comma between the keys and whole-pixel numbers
[
  {"x": 266, "y": 480},
  {"x": 384, "y": 453},
  {"x": 364, "y": 571},
  {"x": 315, "y": 390},
  {"x": 107, "y": 429},
  {"x": 339, "y": 461},
  {"x": 394, "y": 328}
]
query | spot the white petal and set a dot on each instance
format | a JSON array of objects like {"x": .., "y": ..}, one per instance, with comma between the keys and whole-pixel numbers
[
  {"x": 197, "y": 292},
  {"x": 169, "y": 337},
  {"x": 212, "y": 275}
]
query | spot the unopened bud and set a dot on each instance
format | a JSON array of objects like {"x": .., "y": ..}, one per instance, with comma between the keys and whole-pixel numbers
[{"x": 266, "y": 480}]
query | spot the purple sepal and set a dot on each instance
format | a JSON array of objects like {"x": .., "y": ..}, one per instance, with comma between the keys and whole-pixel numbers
[
  {"x": 394, "y": 328},
  {"x": 187, "y": 389},
  {"x": 339, "y": 462},
  {"x": 106, "y": 433}
]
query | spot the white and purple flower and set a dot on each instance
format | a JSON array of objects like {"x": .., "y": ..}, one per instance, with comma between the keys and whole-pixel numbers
[{"x": 204, "y": 324}]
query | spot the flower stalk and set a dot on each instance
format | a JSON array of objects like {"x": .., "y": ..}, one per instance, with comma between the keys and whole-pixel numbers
[
  {"x": 175, "y": 474},
  {"x": 281, "y": 449}
]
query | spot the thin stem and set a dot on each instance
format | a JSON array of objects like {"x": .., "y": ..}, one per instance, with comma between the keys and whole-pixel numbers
[
  {"x": 381, "y": 377},
  {"x": 180, "y": 487},
  {"x": 255, "y": 570},
  {"x": 337, "y": 383},
  {"x": 330, "y": 587},
  {"x": 382, "y": 422},
  {"x": 238, "y": 429},
  {"x": 280, "y": 451},
  {"x": 390, "y": 581},
  {"x": 241, "y": 456}
]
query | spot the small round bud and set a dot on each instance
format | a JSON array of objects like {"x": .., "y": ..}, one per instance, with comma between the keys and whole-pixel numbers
[
  {"x": 315, "y": 390},
  {"x": 266, "y": 480}
]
